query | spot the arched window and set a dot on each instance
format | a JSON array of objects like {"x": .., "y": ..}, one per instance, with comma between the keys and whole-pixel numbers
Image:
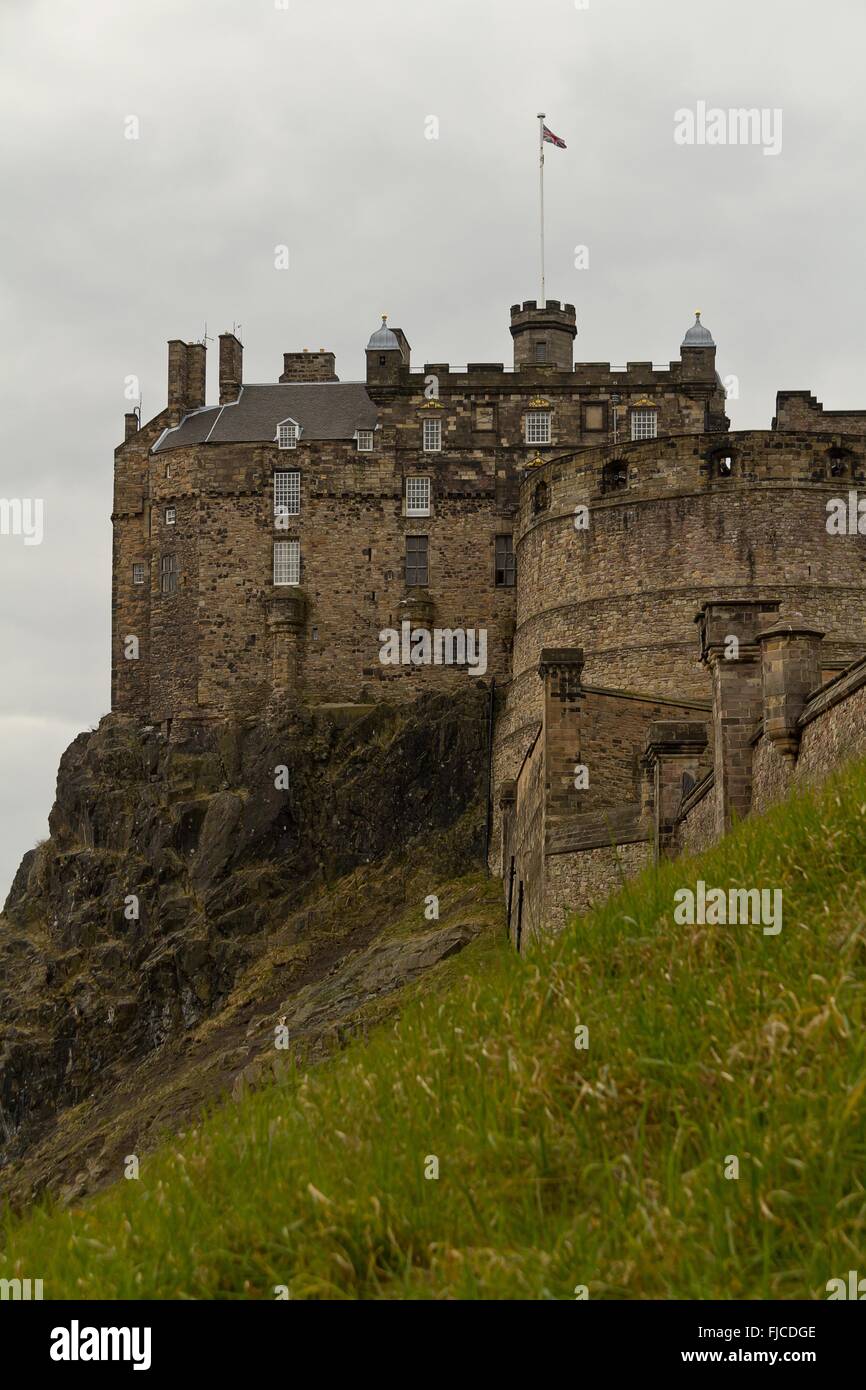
[
  {"x": 540, "y": 498},
  {"x": 614, "y": 476},
  {"x": 721, "y": 463},
  {"x": 839, "y": 462}
]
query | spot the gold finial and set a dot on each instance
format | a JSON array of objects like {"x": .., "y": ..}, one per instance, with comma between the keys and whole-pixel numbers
[
  {"x": 698, "y": 315},
  {"x": 384, "y": 318}
]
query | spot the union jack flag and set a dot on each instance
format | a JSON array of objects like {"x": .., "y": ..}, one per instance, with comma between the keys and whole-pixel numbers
[{"x": 553, "y": 139}]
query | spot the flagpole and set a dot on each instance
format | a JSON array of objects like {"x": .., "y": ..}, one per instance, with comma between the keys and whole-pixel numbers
[{"x": 541, "y": 197}]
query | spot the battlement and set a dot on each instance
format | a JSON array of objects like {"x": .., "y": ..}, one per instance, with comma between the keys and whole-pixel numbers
[
  {"x": 543, "y": 335},
  {"x": 801, "y": 410},
  {"x": 630, "y": 472}
]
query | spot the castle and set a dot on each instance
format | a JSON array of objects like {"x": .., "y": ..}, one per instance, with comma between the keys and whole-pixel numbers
[{"x": 580, "y": 517}]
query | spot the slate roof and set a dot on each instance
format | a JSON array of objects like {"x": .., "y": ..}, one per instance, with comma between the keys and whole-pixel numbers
[{"x": 324, "y": 410}]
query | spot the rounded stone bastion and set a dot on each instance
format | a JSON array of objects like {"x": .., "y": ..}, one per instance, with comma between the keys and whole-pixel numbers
[{"x": 618, "y": 547}]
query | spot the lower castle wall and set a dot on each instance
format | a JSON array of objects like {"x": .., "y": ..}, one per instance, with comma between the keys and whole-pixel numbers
[
  {"x": 697, "y": 829},
  {"x": 835, "y": 735},
  {"x": 576, "y": 882}
]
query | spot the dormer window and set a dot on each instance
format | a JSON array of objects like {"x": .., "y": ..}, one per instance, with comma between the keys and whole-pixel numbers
[
  {"x": 364, "y": 441},
  {"x": 287, "y": 434},
  {"x": 645, "y": 423},
  {"x": 537, "y": 427}
]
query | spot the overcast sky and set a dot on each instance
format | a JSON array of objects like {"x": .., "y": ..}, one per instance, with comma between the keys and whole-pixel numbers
[{"x": 306, "y": 126}]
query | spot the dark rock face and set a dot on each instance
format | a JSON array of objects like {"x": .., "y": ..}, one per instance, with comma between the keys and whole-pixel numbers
[{"x": 172, "y": 867}]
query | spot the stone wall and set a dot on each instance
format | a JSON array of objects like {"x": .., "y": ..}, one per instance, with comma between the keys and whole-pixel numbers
[
  {"x": 577, "y": 882},
  {"x": 832, "y": 730},
  {"x": 800, "y": 410},
  {"x": 696, "y": 828}
]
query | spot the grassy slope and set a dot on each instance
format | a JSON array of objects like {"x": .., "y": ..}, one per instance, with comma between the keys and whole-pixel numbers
[{"x": 558, "y": 1167}]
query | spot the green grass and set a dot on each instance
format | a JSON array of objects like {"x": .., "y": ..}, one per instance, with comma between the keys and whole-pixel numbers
[{"x": 558, "y": 1167}]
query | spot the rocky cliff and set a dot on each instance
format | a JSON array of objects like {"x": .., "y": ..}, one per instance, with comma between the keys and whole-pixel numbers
[{"x": 194, "y": 896}]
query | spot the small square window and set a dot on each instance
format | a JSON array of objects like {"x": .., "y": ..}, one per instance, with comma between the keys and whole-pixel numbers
[
  {"x": 505, "y": 562},
  {"x": 417, "y": 496},
  {"x": 541, "y": 352},
  {"x": 417, "y": 571},
  {"x": 287, "y": 436},
  {"x": 138, "y": 574},
  {"x": 432, "y": 436},
  {"x": 287, "y": 562},
  {"x": 364, "y": 440},
  {"x": 168, "y": 574},
  {"x": 538, "y": 427},
  {"x": 644, "y": 424},
  {"x": 170, "y": 516}
]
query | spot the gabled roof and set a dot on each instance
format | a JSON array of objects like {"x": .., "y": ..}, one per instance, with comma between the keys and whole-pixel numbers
[{"x": 323, "y": 409}]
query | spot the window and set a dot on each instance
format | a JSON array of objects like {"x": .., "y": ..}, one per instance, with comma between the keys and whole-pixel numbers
[
  {"x": 505, "y": 565},
  {"x": 593, "y": 417},
  {"x": 287, "y": 435},
  {"x": 287, "y": 494},
  {"x": 382, "y": 359},
  {"x": 538, "y": 427},
  {"x": 541, "y": 352},
  {"x": 416, "y": 561},
  {"x": 614, "y": 476},
  {"x": 840, "y": 462},
  {"x": 417, "y": 496},
  {"x": 138, "y": 574},
  {"x": 645, "y": 423},
  {"x": 287, "y": 562},
  {"x": 364, "y": 439},
  {"x": 168, "y": 574},
  {"x": 724, "y": 465},
  {"x": 432, "y": 436},
  {"x": 540, "y": 498},
  {"x": 170, "y": 516}
]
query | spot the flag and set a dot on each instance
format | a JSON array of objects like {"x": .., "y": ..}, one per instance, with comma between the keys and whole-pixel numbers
[{"x": 553, "y": 139}]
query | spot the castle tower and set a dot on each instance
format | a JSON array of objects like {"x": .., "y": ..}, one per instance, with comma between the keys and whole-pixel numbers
[
  {"x": 698, "y": 353},
  {"x": 387, "y": 353},
  {"x": 544, "y": 336}
]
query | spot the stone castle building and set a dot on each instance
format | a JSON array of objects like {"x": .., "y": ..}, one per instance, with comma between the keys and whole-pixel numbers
[{"x": 580, "y": 517}]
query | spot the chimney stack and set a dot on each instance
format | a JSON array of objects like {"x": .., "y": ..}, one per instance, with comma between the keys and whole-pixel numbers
[
  {"x": 231, "y": 368},
  {"x": 196, "y": 356},
  {"x": 177, "y": 376}
]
